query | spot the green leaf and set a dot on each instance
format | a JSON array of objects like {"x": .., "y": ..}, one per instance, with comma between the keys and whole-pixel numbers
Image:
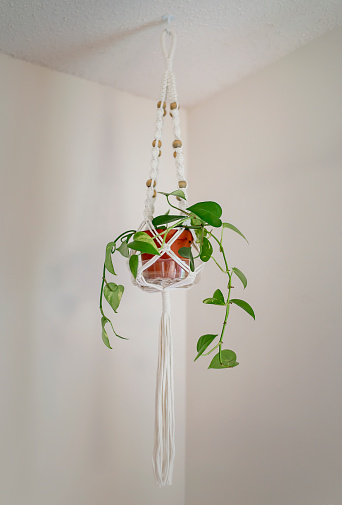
[
  {"x": 217, "y": 298},
  {"x": 199, "y": 231},
  {"x": 244, "y": 305},
  {"x": 177, "y": 192},
  {"x": 195, "y": 221},
  {"x": 143, "y": 247},
  {"x": 186, "y": 252},
  {"x": 203, "y": 342},
  {"x": 209, "y": 212},
  {"x": 228, "y": 360},
  {"x": 206, "y": 251},
  {"x": 104, "y": 321},
  {"x": 108, "y": 258},
  {"x": 241, "y": 276},
  {"x": 123, "y": 249},
  {"x": 232, "y": 227},
  {"x": 164, "y": 219},
  {"x": 140, "y": 240},
  {"x": 199, "y": 234},
  {"x": 133, "y": 265},
  {"x": 113, "y": 294},
  {"x": 123, "y": 338},
  {"x": 105, "y": 338}
]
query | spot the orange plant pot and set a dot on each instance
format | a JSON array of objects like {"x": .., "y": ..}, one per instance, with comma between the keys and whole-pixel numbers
[{"x": 166, "y": 268}]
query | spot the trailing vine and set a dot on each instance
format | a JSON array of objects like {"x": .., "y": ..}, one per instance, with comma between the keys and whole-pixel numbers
[{"x": 203, "y": 218}]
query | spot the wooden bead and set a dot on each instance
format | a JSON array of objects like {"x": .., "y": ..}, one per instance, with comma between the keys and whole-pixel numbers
[
  {"x": 159, "y": 105},
  {"x": 179, "y": 198},
  {"x": 177, "y": 143},
  {"x": 159, "y": 143},
  {"x": 173, "y": 106},
  {"x": 154, "y": 194},
  {"x": 164, "y": 112},
  {"x": 171, "y": 114},
  {"x": 159, "y": 153},
  {"x": 175, "y": 154},
  {"x": 182, "y": 184},
  {"x": 149, "y": 182}
]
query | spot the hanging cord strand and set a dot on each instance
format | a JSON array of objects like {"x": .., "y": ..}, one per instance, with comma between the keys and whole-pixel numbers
[
  {"x": 177, "y": 144},
  {"x": 174, "y": 104},
  {"x": 168, "y": 90},
  {"x": 164, "y": 428},
  {"x": 152, "y": 182}
]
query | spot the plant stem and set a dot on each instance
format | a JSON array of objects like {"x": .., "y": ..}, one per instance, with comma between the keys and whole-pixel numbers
[
  {"x": 218, "y": 265},
  {"x": 184, "y": 212},
  {"x": 229, "y": 290},
  {"x": 211, "y": 350},
  {"x": 225, "y": 317},
  {"x": 129, "y": 232},
  {"x": 101, "y": 292}
]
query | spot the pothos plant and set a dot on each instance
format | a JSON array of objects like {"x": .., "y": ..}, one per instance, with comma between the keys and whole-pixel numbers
[{"x": 205, "y": 219}]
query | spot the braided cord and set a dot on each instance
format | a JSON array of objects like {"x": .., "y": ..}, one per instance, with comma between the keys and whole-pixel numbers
[{"x": 168, "y": 91}]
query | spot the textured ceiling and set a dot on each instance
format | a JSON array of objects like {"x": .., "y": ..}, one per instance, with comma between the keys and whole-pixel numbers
[{"x": 118, "y": 42}]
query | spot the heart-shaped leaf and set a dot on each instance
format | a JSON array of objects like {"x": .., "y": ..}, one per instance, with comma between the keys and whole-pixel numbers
[
  {"x": 140, "y": 240},
  {"x": 241, "y": 276},
  {"x": 164, "y": 219},
  {"x": 216, "y": 299},
  {"x": 206, "y": 250},
  {"x": 104, "y": 321},
  {"x": 143, "y": 236},
  {"x": 228, "y": 360},
  {"x": 244, "y": 305},
  {"x": 143, "y": 247},
  {"x": 108, "y": 258},
  {"x": 123, "y": 249},
  {"x": 113, "y": 294},
  {"x": 177, "y": 192},
  {"x": 208, "y": 212},
  {"x": 133, "y": 265},
  {"x": 232, "y": 227},
  {"x": 185, "y": 252},
  {"x": 203, "y": 342},
  {"x": 105, "y": 338}
]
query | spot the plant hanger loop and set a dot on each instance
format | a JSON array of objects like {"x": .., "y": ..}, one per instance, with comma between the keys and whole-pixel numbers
[{"x": 168, "y": 55}]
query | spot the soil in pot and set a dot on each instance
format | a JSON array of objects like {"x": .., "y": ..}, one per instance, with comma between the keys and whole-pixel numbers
[{"x": 166, "y": 271}]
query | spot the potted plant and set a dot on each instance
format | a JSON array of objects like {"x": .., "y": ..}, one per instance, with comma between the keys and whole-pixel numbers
[
  {"x": 166, "y": 269},
  {"x": 197, "y": 226}
]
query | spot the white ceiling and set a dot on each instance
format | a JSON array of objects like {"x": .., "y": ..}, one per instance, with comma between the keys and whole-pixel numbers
[{"x": 118, "y": 42}]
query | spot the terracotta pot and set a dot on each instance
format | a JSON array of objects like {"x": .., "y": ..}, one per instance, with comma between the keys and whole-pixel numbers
[{"x": 166, "y": 269}]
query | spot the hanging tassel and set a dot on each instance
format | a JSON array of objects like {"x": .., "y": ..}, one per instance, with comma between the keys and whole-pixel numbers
[{"x": 164, "y": 427}]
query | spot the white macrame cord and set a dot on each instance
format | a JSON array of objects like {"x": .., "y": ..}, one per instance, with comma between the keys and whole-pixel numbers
[
  {"x": 168, "y": 90},
  {"x": 164, "y": 429}
]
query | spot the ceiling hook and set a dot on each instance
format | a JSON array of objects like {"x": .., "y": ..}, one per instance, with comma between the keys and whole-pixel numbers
[{"x": 168, "y": 18}]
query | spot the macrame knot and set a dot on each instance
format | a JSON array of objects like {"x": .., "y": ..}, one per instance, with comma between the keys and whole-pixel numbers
[{"x": 166, "y": 302}]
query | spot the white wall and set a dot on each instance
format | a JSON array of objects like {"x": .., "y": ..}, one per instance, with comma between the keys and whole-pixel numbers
[
  {"x": 77, "y": 419},
  {"x": 270, "y": 150}
]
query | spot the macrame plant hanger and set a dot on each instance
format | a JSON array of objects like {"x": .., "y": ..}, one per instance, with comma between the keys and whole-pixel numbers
[{"x": 164, "y": 430}]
